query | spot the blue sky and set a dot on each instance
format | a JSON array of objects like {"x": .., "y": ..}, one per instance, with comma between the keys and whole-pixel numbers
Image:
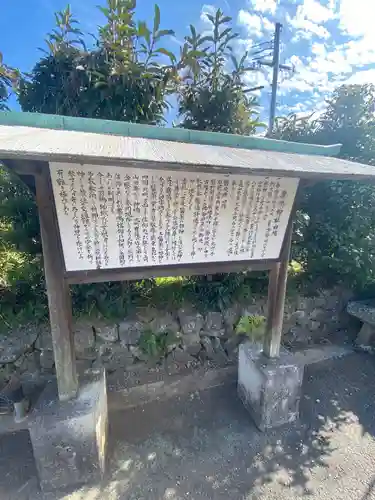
[{"x": 328, "y": 42}]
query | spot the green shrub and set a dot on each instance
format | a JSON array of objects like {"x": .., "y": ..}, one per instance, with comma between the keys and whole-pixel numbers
[
  {"x": 252, "y": 326},
  {"x": 156, "y": 345}
]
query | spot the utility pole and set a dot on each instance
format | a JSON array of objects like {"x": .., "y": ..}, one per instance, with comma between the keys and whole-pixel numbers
[
  {"x": 276, "y": 66},
  {"x": 275, "y": 76}
]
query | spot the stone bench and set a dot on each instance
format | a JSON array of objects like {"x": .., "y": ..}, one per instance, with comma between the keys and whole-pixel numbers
[{"x": 364, "y": 310}]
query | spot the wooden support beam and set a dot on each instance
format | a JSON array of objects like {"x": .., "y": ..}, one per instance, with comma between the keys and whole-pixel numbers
[
  {"x": 25, "y": 167},
  {"x": 59, "y": 301},
  {"x": 136, "y": 273},
  {"x": 24, "y": 170},
  {"x": 276, "y": 298},
  {"x": 271, "y": 300}
]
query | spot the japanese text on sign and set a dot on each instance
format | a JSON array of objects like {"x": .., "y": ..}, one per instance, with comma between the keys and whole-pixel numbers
[{"x": 116, "y": 217}]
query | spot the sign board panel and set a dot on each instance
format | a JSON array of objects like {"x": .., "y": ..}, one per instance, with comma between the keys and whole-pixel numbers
[{"x": 119, "y": 217}]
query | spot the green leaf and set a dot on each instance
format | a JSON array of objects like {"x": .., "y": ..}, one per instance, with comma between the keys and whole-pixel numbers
[
  {"x": 205, "y": 39},
  {"x": 162, "y": 33},
  {"x": 225, "y": 19},
  {"x": 251, "y": 326},
  {"x": 250, "y": 68},
  {"x": 167, "y": 53},
  {"x": 100, "y": 85},
  {"x": 142, "y": 29},
  {"x": 234, "y": 61},
  {"x": 193, "y": 31},
  {"x": 243, "y": 58},
  {"x": 224, "y": 33},
  {"x": 146, "y": 34},
  {"x": 231, "y": 37},
  {"x": 196, "y": 53},
  {"x": 156, "y": 19},
  {"x": 148, "y": 75},
  {"x": 50, "y": 46},
  {"x": 76, "y": 31}
]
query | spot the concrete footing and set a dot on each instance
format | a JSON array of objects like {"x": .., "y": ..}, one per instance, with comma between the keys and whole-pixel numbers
[
  {"x": 269, "y": 388},
  {"x": 69, "y": 438}
]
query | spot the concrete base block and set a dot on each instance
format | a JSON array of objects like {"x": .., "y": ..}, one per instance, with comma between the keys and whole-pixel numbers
[
  {"x": 269, "y": 388},
  {"x": 365, "y": 336},
  {"x": 69, "y": 438}
]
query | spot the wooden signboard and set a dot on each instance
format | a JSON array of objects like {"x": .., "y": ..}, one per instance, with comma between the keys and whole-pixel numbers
[
  {"x": 120, "y": 202},
  {"x": 113, "y": 217}
]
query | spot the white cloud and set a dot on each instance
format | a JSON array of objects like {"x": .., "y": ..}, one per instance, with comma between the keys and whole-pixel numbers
[
  {"x": 366, "y": 76},
  {"x": 309, "y": 19},
  {"x": 252, "y": 22},
  {"x": 299, "y": 108},
  {"x": 332, "y": 62},
  {"x": 257, "y": 78},
  {"x": 356, "y": 21},
  {"x": 255, "y": 24},
  {"x": 207, "y": 9},
  {"x": 314, "y": 11},
  {"x": 322, "y": 58},
  {"x": 315, "y": 77},
  {"x": 295, "y": 61},
  {"x": 268, "y": 26},
  {"x": 306, "y": 28},
  {"x": 264, "y": 5},
  {"x": 295, "y": 83},
  {"x": 356, "y": 18},
  {"x": 318, "y": 73},
  {"x": 319, "y": 49},
  {"x": 358, "y": 52},
  {"x": 333, "y": 5}
]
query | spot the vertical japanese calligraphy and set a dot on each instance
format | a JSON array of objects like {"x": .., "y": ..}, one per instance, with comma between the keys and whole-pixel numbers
[{"x": 117, "y": 217}]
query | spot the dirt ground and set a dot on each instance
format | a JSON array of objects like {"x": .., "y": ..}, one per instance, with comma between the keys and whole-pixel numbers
[{"x": 204, "y": 446}]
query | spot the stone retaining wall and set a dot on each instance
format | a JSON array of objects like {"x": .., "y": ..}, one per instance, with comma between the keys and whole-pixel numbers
[{"x": 184, "y": 336}]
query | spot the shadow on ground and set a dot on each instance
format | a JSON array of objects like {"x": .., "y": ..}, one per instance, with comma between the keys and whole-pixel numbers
[{"x": 205, "y": 447}]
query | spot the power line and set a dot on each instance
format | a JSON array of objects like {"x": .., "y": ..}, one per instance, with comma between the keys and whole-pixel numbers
[
  {"x": 262, "y": 56},
  {"x": 260, "y": 44},
  {"x": 257, "y": 52}
]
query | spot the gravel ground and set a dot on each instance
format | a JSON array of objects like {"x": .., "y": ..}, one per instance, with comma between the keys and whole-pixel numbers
[{"x": 205, "y": 446}]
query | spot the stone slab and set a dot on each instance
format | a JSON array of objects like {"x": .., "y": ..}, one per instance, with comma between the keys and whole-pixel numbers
[
  {"x": 175, "y": 385},
  {"x": 269, "y": 388},
  {"x": 365, "y": 335},
  {"x": 363, "y": 310},
  {"x": 69, "y": 438},
  {"x": 18, "y": 477},
  {"x": 319, "y": 354}
]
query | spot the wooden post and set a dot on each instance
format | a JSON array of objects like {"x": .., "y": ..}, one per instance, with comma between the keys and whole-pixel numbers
[
  {"x": 59, "y": 301},
  {"x": 276, "y": 298}
]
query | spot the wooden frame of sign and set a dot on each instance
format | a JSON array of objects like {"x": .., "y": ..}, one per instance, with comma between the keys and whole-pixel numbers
[{"x": 59, "y": 277}]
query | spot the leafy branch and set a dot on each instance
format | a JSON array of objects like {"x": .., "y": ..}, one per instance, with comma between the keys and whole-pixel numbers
[{"x": 9, "y": 78}]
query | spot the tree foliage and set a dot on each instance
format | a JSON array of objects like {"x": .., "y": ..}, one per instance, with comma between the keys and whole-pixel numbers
[
  {"x": 336, "y": 227},
  {"x": 127, "y": 75},
  {"x": 8, "y": 79},
  {"x": 212, "y": 94}
]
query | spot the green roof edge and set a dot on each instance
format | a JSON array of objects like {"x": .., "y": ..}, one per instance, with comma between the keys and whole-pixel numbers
[{"x": 93, "y": 125}]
